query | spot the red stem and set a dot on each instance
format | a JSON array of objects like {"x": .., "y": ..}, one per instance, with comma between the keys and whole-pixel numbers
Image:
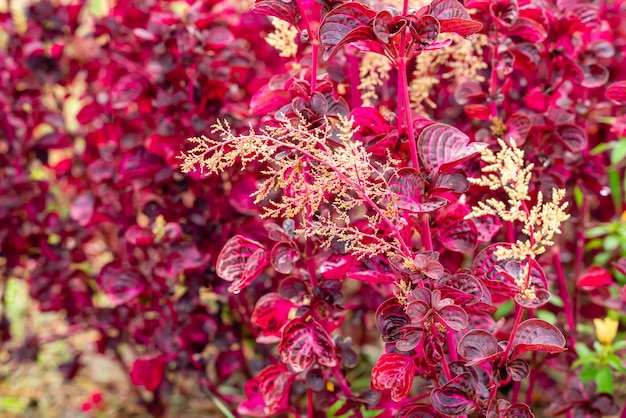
[
  {"x": 569, "y": 312},
  {"x": 309, "y": 401},
  {"x": 314, "y": 43},
  {"x": 406, "y": 103}
]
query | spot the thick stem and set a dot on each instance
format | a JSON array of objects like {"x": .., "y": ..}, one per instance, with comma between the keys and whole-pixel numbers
[
  {"x": 355, "y": 80},
  {"x": 509, "y": 345},
  {"x": 569, "y": 312},
  {"x": 406, "y": 104},
  {"x": 309, "y": 401},
  {"x": 425, "y": 231},
  {"x": 343, "y": 384},
  {"x": 310, "y": 262},
  {"x": 314, "y": 43},
  {"x": 314, "y": 57},
  {"x": 579, "y": 253},
  {"x": 444, "y": 362},
  {"x": 451, "y": 345}
]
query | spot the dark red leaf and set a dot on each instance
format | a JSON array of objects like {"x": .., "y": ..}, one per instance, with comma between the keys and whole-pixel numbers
[
  {"x": 529, "y": 30},
  {"x": 518, "y": 410},
  {"x": 453, "y": 317},
  {"x": 458, "y": 235},
  {"x": 241, "y": 261},
  {"x": 408, "y": 185},
  {"x": 455, "y": 397},
  {"x": 573, "y": 137},
  {"x": 538, "y": 335},
  {"x": 121, "y": 286},
  {"x": 390, "y": 318},
  {"x": 303, "y": 343},
  {"x": 518, "y": 369},
  {"x": 442, "y": 147},
  {"x": 427, "y": 27},
  {"x": 479, "y": 345},
  {"x": 285, "y": 10},
  {"x": 394, "y": 373},
  {"x": 346, "y": 23}
]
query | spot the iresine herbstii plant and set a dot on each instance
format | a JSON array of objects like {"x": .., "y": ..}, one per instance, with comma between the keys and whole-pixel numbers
[{"x": 380, "y": 201}]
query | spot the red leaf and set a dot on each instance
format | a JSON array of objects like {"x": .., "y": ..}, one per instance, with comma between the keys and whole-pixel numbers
[
  {"x": 285, "y": 10},
  {"x": 573, "y": 137},
  {"x": 528, "y": 30},
  {"x": 304, "y": 343},
  {"x": 478, "y": 111},
  {"x": 428, "y": 28},
  {"x": 121, "y": 286},
  {"x": 595, "y": 276},
  {"x": 408, "y": 185},
  {"x": 617, "y": 92},
  {"x": 346, "y": 23},
  {"x": 479, "y": 345},
  {"x": 461, "y": 27},
  {"x": 282, "y": 257},
  {"x": 517, "y": 127},
  {"x": 148, "y": 372},
  {"x": 454, "y": 317},
  {"x": 394, "y": 373},
  {"x": 268, "y": 393},
  {"x": 83, "y": 208},
  {"x": 455, "y": 397},
  {"x": 458, "y": 234},
  {"x": 241, "y": 261},
  {"x": 136, "y": 235},
  {"x": 538, "y": 335},
  {"x": 271, "y": 313},
  {"x": 442, "y": 147}
]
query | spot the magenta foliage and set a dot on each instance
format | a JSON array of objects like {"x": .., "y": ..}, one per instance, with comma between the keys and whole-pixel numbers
[{"x": 97, "y": 206}]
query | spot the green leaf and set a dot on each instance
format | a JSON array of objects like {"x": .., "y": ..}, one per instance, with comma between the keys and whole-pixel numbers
[
  {"x": 546, "y": 316},
  {"x": 602, "y": 259},
  {"x": 578, "y": 196},
  {"x": 615, "y": 362},
  {"x": 582, "y": 350},
  {"x": 611, "y": 243},
  {"x": 615, "y": 184},
  {"x": 505, "y": 309},
  {"x": 556, "y": 301},
  {"x": 618, "y": 345},
  {"x": 604, "y": 379},
  {"x": 372, "y": 413},
  {"x": 594, "y": 244},
  {"x": 599, "y": 230},
  {"x": 618, "y": 154},
  {"x": 588, "y": 373}
]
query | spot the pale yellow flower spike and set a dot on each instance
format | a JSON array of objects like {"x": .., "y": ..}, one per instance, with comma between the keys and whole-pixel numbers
[
  {"x": 283, "y": 38},
  {"x": 507, "y": 170},
  {"x": 606, "y": 330}
]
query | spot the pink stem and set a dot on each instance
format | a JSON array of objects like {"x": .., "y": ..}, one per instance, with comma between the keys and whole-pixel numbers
[{"x": 569, "y": 312}]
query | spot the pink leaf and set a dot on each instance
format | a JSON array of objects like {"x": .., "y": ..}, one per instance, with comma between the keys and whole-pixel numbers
[
  {"x": 241, "y": 261},
  {"x": 304, "y": 343},
  {"x": 394, "y": 373},
  {"x": 595, "y": 276},
  {"x": 617, "y": 92}
]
